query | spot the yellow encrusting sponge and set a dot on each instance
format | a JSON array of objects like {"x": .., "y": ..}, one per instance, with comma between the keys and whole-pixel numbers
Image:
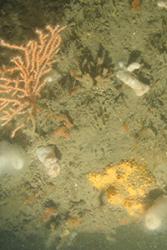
[{"x": 126, "y": 184}]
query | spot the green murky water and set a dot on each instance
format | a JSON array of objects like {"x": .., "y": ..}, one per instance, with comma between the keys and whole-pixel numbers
[{"x": 92, "y": 118}]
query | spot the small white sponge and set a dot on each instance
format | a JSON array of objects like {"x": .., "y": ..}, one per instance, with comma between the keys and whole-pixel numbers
[
  {"x": 12, "y": 157},
  {"x": 156, "y": 216}
]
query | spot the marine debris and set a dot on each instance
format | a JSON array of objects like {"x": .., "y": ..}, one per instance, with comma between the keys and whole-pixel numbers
[{"x": 126, "y": 184}]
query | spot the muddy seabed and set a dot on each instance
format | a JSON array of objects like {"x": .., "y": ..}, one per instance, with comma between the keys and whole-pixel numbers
[{"x": 109, "y": 124}]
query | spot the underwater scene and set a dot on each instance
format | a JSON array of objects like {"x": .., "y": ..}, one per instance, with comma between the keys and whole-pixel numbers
[{"x": 83, "y": 124}]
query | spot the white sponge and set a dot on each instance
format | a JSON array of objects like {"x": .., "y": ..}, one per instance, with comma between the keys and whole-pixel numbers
[
  {"x": 12, "y": 157},
  {"x": 156, "y": 215}
]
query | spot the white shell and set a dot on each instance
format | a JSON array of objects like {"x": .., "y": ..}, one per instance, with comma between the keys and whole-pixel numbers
[
  {"x": 47, "y": 157},
  {"x": 130, "y": 80}
]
